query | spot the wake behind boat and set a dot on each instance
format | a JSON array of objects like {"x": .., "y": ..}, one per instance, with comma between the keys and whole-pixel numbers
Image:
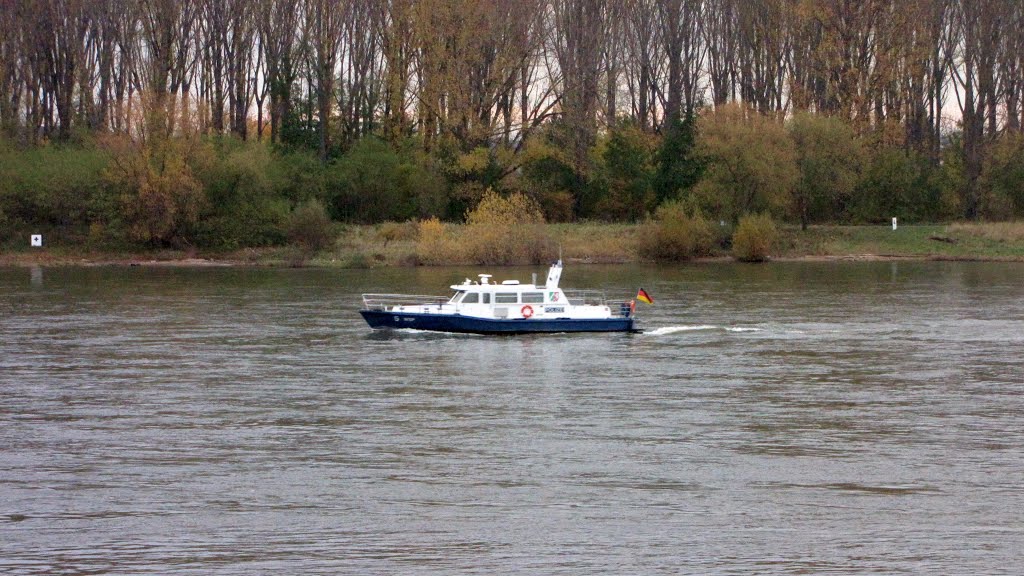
[{"x": 483, "y": 307}]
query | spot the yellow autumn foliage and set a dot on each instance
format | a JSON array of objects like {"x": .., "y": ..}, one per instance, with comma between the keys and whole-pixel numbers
[
  {"x": 755, "y": 235},
  {"x": 506, "y": 231}
]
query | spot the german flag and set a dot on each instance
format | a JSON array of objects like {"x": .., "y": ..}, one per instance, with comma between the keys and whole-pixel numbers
[{"x": 643, "y": 296}]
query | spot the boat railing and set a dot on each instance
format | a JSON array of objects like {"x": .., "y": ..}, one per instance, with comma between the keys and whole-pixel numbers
[
  {"x": 623, "y": 308},
  {"x": 585, "y": 297},
  {"x": 389, "y": 301}
]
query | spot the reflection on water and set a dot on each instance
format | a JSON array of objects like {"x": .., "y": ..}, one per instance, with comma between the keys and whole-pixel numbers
[{"x": 791, "y": 418}]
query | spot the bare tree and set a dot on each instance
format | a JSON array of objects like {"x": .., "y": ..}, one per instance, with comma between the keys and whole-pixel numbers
[
  {"x": 721, "y": 37},
  {"x": 613, "y": 58},
  {"x": 763, "y": 28},
  {"x": 277, "y": 22},
  {"x": 486, "y": 73},
  {"x": 361, "y": 77},
  {"x": 167, "y": 28},
  {"x": 11, "y": 82},
  {"x": 980, "y": 31},
  {"x": 578, "y": 42},
  {"x": 1011, "y": 65},
  {"x": 325, "y": 20},
  {"x": 684, "y": 48},
  {"x": 396, "y": 40}
]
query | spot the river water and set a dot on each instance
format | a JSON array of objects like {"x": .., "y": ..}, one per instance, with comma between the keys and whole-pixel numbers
[{"x": 792, "y": 418}]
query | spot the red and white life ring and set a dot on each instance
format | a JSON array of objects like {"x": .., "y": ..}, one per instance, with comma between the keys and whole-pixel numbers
[{"x": 526, "y": 311}]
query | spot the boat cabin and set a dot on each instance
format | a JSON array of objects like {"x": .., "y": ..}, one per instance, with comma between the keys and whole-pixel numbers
[{"x": 510, "y": 299}]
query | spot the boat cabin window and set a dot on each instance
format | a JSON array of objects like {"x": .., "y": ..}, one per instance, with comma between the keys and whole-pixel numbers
[
  {"x": 471, "y": 298},
  {"x": 533, "y": 297},
  {"x": 487, "y": 297},
  {"x": 506, "y": 298}
]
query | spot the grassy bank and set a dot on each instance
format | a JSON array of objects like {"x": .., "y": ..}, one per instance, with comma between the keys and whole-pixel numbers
[
  {"x": 618, "y": 243},
  {"x": 989, "y": 241},
  {"x": 396, "y": 245}
]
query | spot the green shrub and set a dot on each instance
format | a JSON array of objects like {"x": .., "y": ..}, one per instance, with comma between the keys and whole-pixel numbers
[
  {"x": 751, "y": 162},
  {"x": 547, "y": 174},
  {"x": 829, "y": 158},
  {"x": 302, "y": 175},
  {"x": 754, "y": 238},
  {"x": 309, "y": 227},
  {"x": 625, "y": 174},
  {"x": 1003, "y": 178},
  {"x": 676, "y": 234},
  {"x": 52, "y": 185},
  {"x": 375, "y": 183},
  {"x": 895, "y": 182},
  {"x": 358, "y": 261},
  {"x": 244, "y": 204},
  {"x": 677, "y": 164}
]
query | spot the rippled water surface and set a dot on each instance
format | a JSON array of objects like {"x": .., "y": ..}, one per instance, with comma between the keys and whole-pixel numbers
[{"x": 809, "y": 418}]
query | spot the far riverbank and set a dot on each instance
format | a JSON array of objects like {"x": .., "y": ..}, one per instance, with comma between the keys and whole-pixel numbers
[{"x": 391, "y": 245}]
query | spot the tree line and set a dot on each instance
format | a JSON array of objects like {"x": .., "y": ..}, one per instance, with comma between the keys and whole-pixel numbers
[{"x": 529, "y": 93}]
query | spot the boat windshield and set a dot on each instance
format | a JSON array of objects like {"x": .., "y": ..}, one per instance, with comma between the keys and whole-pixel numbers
[{"x": 462, "y": 297}]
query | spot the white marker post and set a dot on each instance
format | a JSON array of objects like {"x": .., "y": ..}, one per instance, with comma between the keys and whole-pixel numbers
[
  {"x": 893, "y": 222},
  {"x": 37, "y": 240}
]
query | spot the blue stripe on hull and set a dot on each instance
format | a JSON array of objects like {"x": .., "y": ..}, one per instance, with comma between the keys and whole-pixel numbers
[{"x": 469, "y": 324}]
